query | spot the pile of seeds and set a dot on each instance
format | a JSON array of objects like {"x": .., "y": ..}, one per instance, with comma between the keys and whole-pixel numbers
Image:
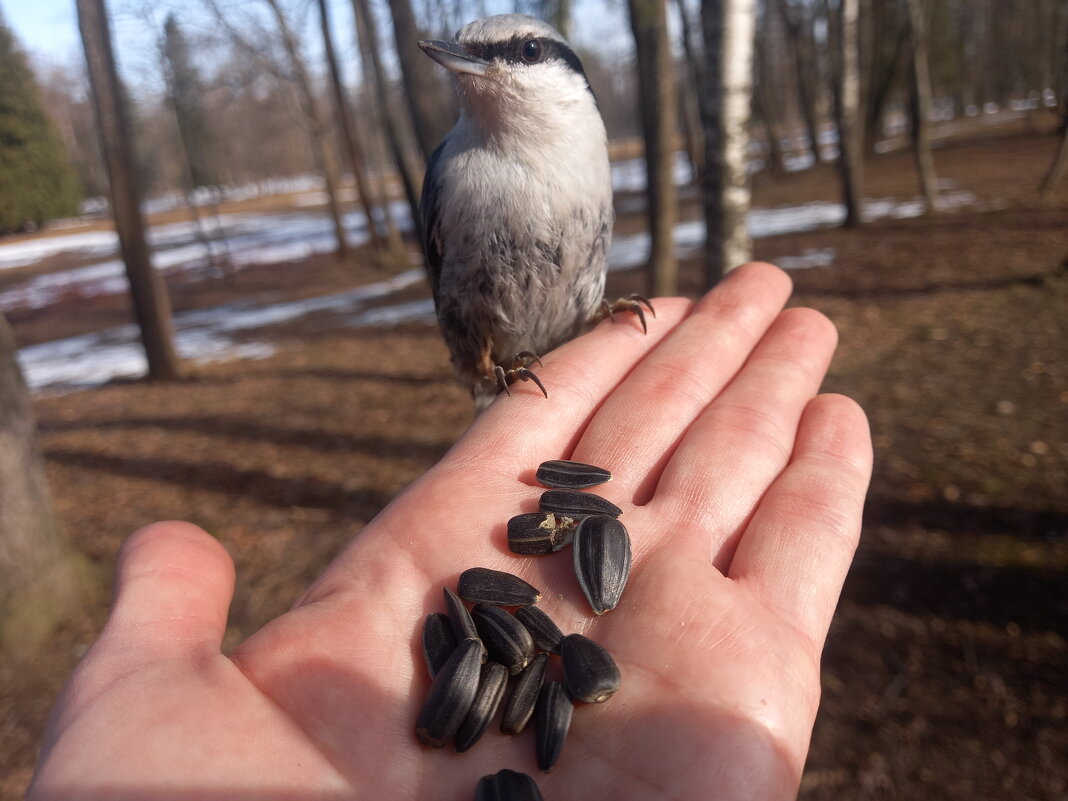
[{"x": 471, "y": 653}]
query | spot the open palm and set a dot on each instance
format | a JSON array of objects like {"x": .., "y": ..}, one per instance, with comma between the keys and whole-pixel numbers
[{"x": 742, "y": 490}]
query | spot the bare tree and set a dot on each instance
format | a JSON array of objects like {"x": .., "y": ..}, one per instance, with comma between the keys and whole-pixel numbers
[
  {"x": 800, "y": 48},
  {"x": 656, "y": 88},
  {"x": 921, "y": 106},
  {"x": 151, "y": 305},
  {"x": 1060, "y": 160},
  {"x": 726, "y": 97},
  {"x": 42, "y": 576},
  {"x": 688, "y": 100},
  {"x": 847, "y": 110}
]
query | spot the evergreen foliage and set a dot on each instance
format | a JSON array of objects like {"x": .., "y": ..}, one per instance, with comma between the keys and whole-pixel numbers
[{"x": 37, "y": 182}]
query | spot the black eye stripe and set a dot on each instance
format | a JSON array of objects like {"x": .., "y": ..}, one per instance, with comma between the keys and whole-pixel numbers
[{"x": 511, "y": 50}]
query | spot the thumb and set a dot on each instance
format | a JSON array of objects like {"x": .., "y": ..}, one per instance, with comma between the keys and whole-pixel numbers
[{"x": 173, "y": 587}]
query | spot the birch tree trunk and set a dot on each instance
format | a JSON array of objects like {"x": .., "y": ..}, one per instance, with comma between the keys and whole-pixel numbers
[
  {"x": 42, "y": 576},
  {"x": 847, "y": 106},
  {"x": 658, "y": 104},
  {"x": 151, "y": 304},
  {"x": 729, "y": 27},
  {"x": 921, "y": 106}
]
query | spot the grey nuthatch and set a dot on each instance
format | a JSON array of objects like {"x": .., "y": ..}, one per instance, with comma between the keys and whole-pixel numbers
[{"x": 517, "y": 202}]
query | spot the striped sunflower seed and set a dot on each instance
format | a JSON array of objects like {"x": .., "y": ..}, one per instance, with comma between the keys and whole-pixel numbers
[
  {"x": 575, "y": 504},
  {"x": 451, "y": 694},
  {"x": 524, "y": 697},
  {"x": 507, "y": 785},
  {"x": 439, "y": 641},
  {"x": 506, "y": 639},
  {"x": 546, "y": 634},
  {"x": 539, "y": 533},
  {"x": 554, "y": 719},
  {"x": 491, "y": 685},
  {"x": 462, "y": 624},
  {"x": 601, "y": 553},
  {"x": 564, "y": 474},
  {"x": 480, "y": 585},
  {"x": 590, "y": 673}
]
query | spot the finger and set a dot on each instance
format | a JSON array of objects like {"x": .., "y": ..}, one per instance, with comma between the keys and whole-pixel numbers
[
  {"x": 173, "y": 587},
  {"x": 743, "y": 440},
  {"x": 635, "y": 430},
  {"x": 796, "y": 550}
]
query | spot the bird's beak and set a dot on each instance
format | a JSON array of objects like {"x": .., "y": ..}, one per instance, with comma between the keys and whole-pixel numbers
[{"x": 454, "y": 58}]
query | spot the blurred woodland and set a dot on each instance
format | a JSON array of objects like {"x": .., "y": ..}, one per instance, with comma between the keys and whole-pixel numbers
[{"x": 929, "y": 138}]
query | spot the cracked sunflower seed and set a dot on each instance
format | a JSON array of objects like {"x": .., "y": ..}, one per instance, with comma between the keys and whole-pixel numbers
[
  {"x": 590, "y": 673},
  {"x": 554, "y": 719},
  {"x": 601, "y": 552},
  {"x": 539, "y": 533},
  {"x": 506, "y": 639},
  {"x": 521, "y": 702},
  {"x": 491, "y": 685},
  {"x": 575, "y": 504},
  {"x": 546, "y": 634},
  {"x": 451, "y": 693},
  {"x": 563, "y": 474},
  {"x": 507, "y": 785},
  {"x": 439, "y": 641},
  {"x": 480, "y": 585}
]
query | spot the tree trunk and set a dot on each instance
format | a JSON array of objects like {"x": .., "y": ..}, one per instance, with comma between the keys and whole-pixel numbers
[
  {"x": 794, "y": 24},
  {"x": 43, "y": 577},
  {"x": 847, "y": 107},
  {"x": 410, "y": 175},
  {"x": 1059, "y": 165},
  {"x": 921, "y": 106},
  {"x": 431, "y": 119},
  {"x": 688, "y": 101},
  {"x": 151, "y": 305},
  {"x": 656, "y": 88},
  {"x": 349, "y": 136},
  {"x": 725, "y": 102}
]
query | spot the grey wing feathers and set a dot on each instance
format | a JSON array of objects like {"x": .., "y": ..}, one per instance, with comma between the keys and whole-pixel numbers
[{"x": 428, "y": 207}]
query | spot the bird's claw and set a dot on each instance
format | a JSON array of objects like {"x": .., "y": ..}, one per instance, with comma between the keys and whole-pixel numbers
[
  {"x": 520, "y": 370},
  {"x": 632, "y": 303}
]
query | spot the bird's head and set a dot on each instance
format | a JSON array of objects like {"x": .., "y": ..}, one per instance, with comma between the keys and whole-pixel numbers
[{"x": 512, "y": 69}]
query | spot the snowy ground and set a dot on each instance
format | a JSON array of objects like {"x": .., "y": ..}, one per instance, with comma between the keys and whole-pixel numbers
[{"x": 211, "y": 334}]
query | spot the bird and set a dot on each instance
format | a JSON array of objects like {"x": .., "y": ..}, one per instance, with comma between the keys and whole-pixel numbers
[{"x": 516, "y": 205}]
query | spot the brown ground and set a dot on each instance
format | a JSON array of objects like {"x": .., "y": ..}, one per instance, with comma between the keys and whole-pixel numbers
[{"x": 944, "y": 674}]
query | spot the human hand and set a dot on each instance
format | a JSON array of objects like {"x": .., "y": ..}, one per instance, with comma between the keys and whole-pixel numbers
[{"x": 742, "y": 490}]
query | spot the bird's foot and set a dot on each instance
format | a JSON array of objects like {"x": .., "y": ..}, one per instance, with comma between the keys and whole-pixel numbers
[
  {"x": 518, "y": 371},
  {"x": 633, "y": 304}
]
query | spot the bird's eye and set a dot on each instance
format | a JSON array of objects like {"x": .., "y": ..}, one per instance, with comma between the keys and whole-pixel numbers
[{"x": 532, "y": 51}]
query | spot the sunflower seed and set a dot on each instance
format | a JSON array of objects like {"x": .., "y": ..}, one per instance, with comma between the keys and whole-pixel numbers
[
  {"x": 491, "y": 685},
  {"x": 546, "y": 634},
  {"x": 602, "y": 561},
  {"x": 590, "y": 673},
  {"x": 462, "y": 624},
  {"x": 539, "y": 533},
  {"x": 480, "y": 585},
  {"x": 554, "y": 719},
  {"x": 506, "y": 639},
  {"x": 507, "y": 785},
  {"x": 439, "y": 641},
  {"x": 520, "y": 705},
  {"x": 575, "y": 504},
  {"x": 451, "y": 694},
  {"x": 570, "y": 475}
]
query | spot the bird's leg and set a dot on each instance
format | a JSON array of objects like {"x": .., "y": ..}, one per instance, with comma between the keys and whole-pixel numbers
[
  {"x": 632, "y": 304},
  {"x": 519, "y": 370}
]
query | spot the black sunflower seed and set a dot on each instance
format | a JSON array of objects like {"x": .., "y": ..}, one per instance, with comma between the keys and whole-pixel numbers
[
  {"x": 462, "y": 624},
  {"x": 520, "y": 704},
  {"x": 506, "y": 639},
  {"x": 546, "y": 634},
  {"x": 439, "y": 640},
  {"x": 571, "y": 475},
  {"x": 491, "y": 685},
  {"x": 601, "y": 552},
  {"x": 451, "y": 694},
  {"x": 480, "y": 585},
  {"x": 539, "y": 533},
  {"x": 590, "y": 673},
  {"x": 554, "y": 719},
  {"x": 577, "y": 505},
  {"x": 507, "y": 785}
]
